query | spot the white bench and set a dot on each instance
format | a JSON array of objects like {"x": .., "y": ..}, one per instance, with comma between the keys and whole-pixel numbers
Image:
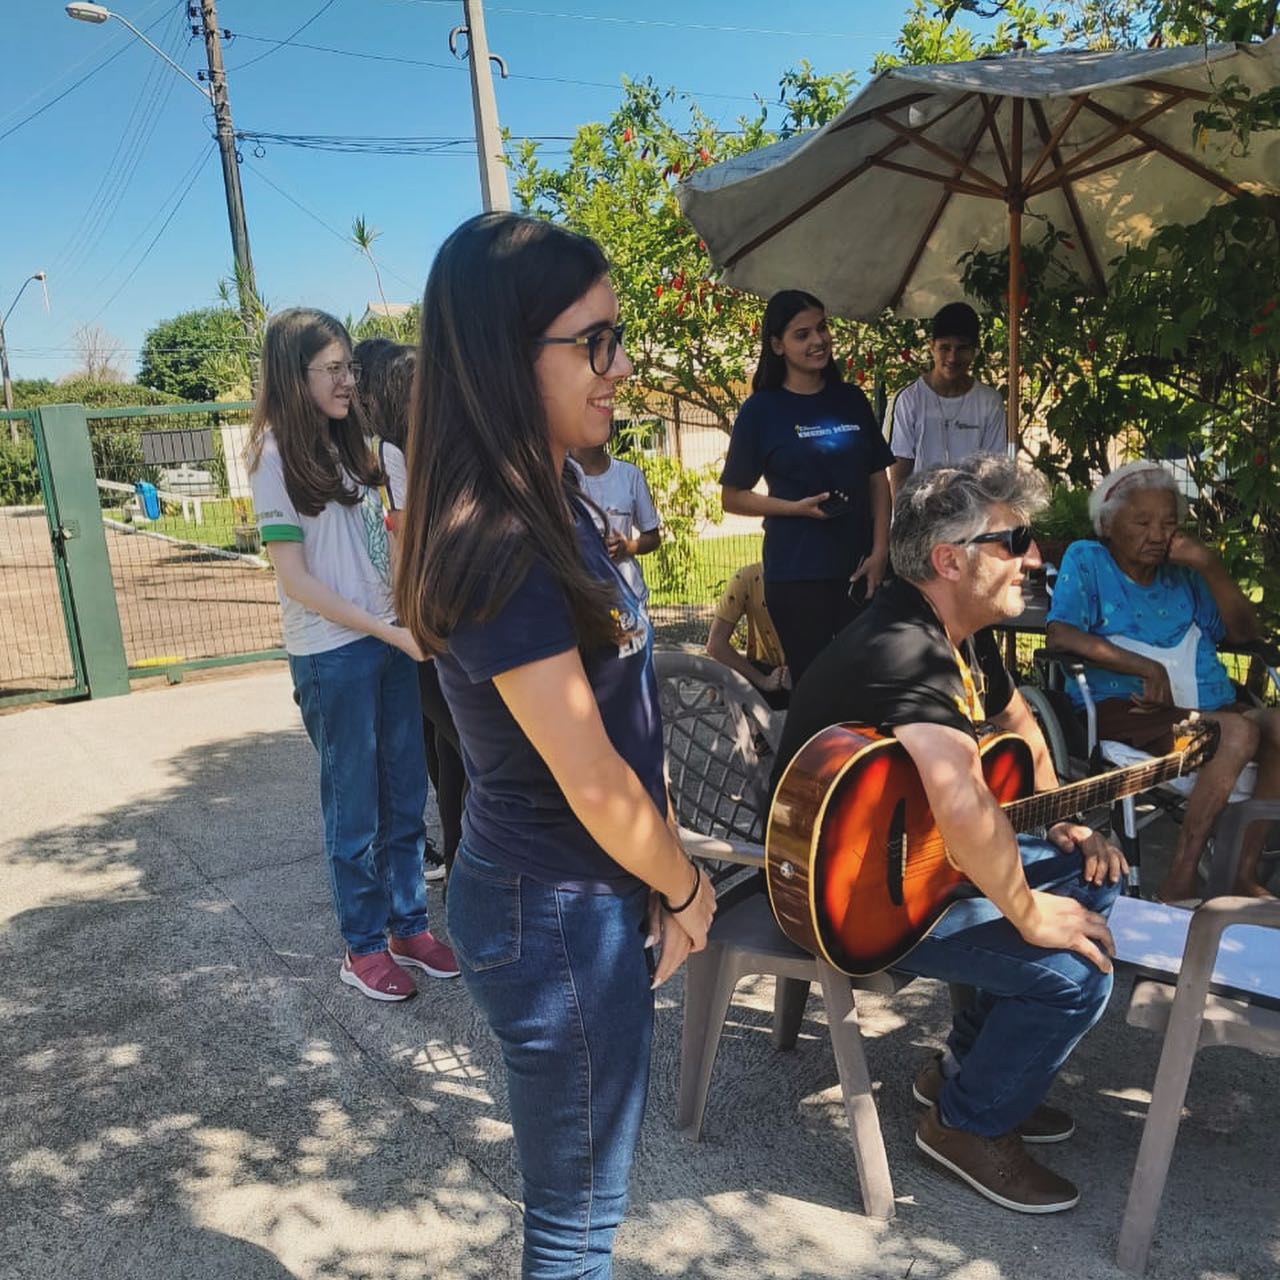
[
  {"x": 1199, "y": 988},
  {"x": 186, "y": 501}
]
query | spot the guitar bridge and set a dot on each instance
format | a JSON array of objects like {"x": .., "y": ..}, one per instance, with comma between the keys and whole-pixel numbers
[{"x": 897, "y": 852}]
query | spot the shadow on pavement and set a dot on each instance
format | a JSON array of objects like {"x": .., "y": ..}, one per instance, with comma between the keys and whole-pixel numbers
[{"x": 189, "y": 1092}]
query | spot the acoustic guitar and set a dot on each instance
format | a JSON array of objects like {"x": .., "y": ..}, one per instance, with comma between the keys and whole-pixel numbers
[{"x": 856, "y": 867}]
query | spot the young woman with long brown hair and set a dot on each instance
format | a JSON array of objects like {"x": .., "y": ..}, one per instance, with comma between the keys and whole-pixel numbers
[
  {"x": 568, "y": 860},
  {"x": 315, "y": 489}
]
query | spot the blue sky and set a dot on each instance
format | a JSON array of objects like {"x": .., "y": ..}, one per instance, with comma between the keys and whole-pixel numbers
[{"x": 92, "y": 179}]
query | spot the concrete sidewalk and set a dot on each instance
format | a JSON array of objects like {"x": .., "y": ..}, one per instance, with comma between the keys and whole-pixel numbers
[{"x": 189, "y": 1091}]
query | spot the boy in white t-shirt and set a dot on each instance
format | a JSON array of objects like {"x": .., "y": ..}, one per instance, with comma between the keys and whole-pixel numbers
[
  {"x": 945, "y": 415},
  {"x": 618, "y": 488}
]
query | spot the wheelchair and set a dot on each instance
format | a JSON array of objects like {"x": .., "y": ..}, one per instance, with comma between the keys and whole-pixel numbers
[{"x": 1077, "y": 753}]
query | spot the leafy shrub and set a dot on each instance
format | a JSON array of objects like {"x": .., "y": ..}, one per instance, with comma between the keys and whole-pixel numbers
[
  {"x": 19, "y": 478},
  {"x": 687, "y": 500}
]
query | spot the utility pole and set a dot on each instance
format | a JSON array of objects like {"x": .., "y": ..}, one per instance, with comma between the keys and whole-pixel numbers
[
  {"x": 493, "y": 168},
  {"x": 246, "y": 285}
]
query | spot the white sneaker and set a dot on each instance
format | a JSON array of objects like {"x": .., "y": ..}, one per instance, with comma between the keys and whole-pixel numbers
[{"x": 433, "y": 871}]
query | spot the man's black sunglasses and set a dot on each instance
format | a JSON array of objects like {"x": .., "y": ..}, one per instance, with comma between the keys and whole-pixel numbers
[{"x": 1016, "y": 541}]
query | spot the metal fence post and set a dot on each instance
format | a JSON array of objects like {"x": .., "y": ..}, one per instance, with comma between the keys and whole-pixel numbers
[{"x": 84, "y": 547}]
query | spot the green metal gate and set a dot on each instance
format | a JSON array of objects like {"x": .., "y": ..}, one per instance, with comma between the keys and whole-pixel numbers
[{"x": 41, "y": 657}]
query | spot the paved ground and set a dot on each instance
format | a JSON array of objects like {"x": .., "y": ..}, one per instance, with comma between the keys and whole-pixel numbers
[{"x": 190, "y": 1093}]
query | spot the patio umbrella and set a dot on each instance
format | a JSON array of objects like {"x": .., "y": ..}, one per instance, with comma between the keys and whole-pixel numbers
[{"x": 872, "y": 211}]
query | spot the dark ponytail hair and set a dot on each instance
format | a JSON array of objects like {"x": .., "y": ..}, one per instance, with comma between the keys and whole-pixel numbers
[
  {"x": 386, "y": 387},
  {"x": 782, "y": 309},
  {"x": 487, "y": 498}
]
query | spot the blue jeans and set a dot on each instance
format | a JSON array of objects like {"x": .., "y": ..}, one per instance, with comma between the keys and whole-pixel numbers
[
  {"x": 1033, "y": 1006},
  {"x": 561, "y": 977},
  {"x": 360, "y": 706}
]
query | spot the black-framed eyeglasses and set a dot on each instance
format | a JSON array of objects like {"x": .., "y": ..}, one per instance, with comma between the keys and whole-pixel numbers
[
  {"x": 337, "y": 368},
  {"x": 602, "y": 346},
  {"x": 1016, "y": 541}
]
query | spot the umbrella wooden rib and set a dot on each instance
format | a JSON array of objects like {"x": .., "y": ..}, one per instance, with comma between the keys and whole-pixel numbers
[
  {"x": 1068, "y": 191},
  {"x": 989, "y": 109}
]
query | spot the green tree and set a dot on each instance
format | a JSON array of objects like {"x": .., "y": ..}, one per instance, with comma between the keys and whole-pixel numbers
[
  {"x": 197, "y": 355},
  {"x": 1180, "y": 359},
  {"x": 930, "y": 32}
]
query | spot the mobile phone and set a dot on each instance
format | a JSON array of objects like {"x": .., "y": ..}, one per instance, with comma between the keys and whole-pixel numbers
[{"x": 837, "y": 504}]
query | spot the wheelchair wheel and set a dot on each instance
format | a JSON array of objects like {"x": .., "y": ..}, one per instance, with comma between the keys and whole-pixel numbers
[{"x": 1046, "y": 717}]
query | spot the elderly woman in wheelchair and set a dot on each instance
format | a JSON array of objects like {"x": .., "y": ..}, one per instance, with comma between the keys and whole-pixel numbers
[{"x": 1145, "y": 608}]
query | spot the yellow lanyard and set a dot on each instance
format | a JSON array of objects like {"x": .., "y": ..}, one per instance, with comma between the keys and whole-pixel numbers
[{"x": 971, "y": 704}]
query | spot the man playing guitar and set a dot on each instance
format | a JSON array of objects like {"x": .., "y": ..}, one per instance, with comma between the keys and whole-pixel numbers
[{"x": 1035, "y": 944}]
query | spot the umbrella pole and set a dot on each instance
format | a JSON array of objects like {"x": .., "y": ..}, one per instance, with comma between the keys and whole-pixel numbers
[{"x": 1015, "y": 325}]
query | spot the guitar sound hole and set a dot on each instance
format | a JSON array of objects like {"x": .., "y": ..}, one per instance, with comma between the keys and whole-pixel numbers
[{"x": 897, "y": 852}]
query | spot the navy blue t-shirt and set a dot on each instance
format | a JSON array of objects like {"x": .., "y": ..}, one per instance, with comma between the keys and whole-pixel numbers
[
  {"x": 515, "y": 813},
  {"x": 802, "y": 445}
]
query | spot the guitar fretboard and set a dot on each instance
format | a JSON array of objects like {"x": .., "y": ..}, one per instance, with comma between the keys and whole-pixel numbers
[{"x": 1048, "y": 807}]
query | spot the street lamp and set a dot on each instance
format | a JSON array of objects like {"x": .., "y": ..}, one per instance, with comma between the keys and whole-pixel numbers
[
  {"x": 216, "y": 96},
  {"x": 4, "y": 350},
  {"x": 99, "y": 13}
]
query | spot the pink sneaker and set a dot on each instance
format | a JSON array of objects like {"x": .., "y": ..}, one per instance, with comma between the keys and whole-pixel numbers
[
  {"x": 376, "y": 976},
  {"x": 422, "y": 951}
]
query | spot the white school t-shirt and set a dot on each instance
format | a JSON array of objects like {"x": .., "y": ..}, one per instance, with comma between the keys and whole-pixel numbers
[
  {"x": 344, "y": 547},
  {"x": 621, "y": 492},
  {"x": 934, "y": 430}
]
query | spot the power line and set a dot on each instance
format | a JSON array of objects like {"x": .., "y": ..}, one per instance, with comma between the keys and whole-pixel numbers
[
  {"x": 612, "y": 86},
  {"x": 84, "y": 79},
  {"x": 135, "y": 137},
  {"x": 682, "y": 26},
  {"x": 297, "y": 31},
  {"x": 146, "y": 253},
  {"x": 157, "y": 212},
  {"x": 315, "y": 217},
  {"x": 67, "y": 72},
  {"x": 372, "y": 144}
]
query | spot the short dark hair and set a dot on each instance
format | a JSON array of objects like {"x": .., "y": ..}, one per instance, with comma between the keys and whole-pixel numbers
[
  {"x": 957, "y": 320},
  {"x": 386, "y": 386}
]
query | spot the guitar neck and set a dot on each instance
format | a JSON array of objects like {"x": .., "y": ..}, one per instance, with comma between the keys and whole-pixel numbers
[{"x": 1047, "y": 807}]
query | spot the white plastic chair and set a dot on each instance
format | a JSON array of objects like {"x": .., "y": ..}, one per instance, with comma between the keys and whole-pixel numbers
[
  {"x": 720, "y": 737},
  {"x": 1224, "y": 994}
]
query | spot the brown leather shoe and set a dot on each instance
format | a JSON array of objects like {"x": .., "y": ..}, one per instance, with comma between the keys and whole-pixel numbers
[
  {"x": 998, "y": 1168},
  {"x": 1045, "y": 1124}
]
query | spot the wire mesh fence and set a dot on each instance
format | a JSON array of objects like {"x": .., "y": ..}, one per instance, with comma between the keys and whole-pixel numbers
[
  {"x": 191, "y": 583},
  {"x": 36, "y": 655}
]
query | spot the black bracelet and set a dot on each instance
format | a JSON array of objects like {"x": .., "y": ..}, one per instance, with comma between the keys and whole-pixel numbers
[{"x": 688, "y": 902}]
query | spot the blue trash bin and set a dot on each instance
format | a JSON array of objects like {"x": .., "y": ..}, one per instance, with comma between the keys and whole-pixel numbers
[{"x": 148, "y": 499}]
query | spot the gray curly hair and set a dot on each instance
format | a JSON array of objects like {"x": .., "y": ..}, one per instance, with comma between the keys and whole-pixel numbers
[
  {"x": 953, "y": 504},
  {"x": 1117, "y": 488}
]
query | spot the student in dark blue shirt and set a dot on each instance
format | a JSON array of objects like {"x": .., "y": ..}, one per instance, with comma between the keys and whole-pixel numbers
[
  {"x": 569, "y": 869},
  {"x": 815, "y": 440}
]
